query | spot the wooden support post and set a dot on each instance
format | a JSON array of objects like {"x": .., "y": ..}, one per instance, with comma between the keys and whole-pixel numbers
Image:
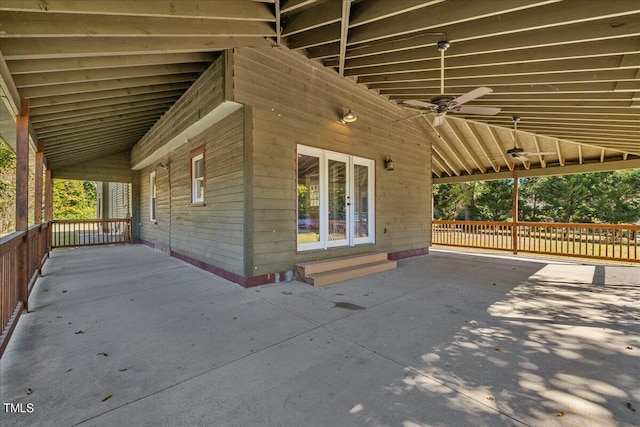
[
  {"x": 37, "y": 196},
  {"x": 514, "y": 229},
  {"x": 48, "y": 206},
  {"x": 22, "y": 198},
  {"x": 38, "y": 189}
]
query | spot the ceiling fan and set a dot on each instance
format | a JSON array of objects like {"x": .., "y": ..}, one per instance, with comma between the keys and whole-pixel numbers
[
  {"x": 519, "y": 153},
  {"x": 443, "y": 104}
]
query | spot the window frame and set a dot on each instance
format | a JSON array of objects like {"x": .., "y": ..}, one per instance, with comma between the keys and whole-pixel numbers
[
  {"x": 153, "y": 197},
  {"x": 324, "y": 156},
  {"x": 195, "y": 155}
]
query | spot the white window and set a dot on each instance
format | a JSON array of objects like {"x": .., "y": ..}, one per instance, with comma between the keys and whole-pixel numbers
[
  {"x": 197, "y": 176},
  {"x": 336, "y": 199},
  {"x": 152, "y": 196}
]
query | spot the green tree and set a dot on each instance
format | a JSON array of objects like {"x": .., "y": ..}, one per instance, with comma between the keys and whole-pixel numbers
[
  {"x": 74, "y": 199},
  {"x": 616, "y": 197},
  {"x": 567, "y": 198},
  {"x": 447, "y": 201},
  {"x": 7, "y": 189},
  {"x": 530, "y": 200},
  {"x": 494, "y": 200}
]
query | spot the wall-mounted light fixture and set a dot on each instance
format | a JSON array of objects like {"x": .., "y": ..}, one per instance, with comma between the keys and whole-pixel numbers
[
  {"x": 162, "y": 165},
  {"x": 348, "y": 117},
  {"x": 388, "y": 163}
]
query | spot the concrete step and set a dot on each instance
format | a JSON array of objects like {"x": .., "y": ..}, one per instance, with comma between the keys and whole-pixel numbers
[{"x": 315, "y": 267}]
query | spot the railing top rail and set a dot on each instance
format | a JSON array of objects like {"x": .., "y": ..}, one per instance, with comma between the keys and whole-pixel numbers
[
  {"x": 10, "y": 241},
  {"x": 544, "y": 224},
  {"x": 453, "y": 222},
  {"x": 82, "y": 221}
]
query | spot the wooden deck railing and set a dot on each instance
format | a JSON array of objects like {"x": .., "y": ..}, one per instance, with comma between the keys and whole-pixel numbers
[
  {"x": 90, "y": 232},
  {"x": 21, "y": 257},
  {"x": 601, "y": 241}
]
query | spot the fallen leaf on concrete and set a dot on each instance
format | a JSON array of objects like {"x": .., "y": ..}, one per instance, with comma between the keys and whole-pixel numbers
[
  {"x": 29, "y": 391},
  {"x": 70, "y": 369},
  {"x": 64, "y": 291},
  {"x": 79, "y": 332},
  {"x": 499, "y": 350},
  {"x": 107, "y": 398},
  {"x": 630, "y": 406},
  {"x": 491, "y": 398},
  {"x": 102, "y": 354},
  {"x": 45, "y": 290},
  {"x": 629, "y": 347},
  {"x": 122, "y": 370},
  {"x": 560, "y": 414}
]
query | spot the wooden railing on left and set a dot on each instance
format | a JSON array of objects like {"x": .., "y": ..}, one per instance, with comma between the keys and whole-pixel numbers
[{"x": 22, "y": 255}]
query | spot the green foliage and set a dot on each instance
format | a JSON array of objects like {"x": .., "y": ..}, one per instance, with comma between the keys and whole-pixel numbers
[
  {"x": 7, "y": 189},
  {"x": 606, "y": 197},
  {"x": 74, "y": 199}
]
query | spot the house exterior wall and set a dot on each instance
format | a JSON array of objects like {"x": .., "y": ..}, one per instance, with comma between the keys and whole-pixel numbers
[
  {"x": 294, "y": 101},
  {"x": 114, "y": 200},
  {"x": 209, "y": 235},
  {"x": 246, "y": 230}
]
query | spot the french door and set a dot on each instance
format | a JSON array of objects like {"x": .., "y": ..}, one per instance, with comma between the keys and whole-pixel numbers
[{"x": 335, "y": 199}]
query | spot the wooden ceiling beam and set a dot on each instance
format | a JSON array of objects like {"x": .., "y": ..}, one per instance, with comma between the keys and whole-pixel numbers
[
  {"x": 480, "y": 142},
  {"x": 310, "y": 19},
  {"x": 242, "y": 10},
  {"x": 92, "y": 114},
  {"x": 44, "y": 112},
  {"x": 37, "y": 25},
  {"x": 72, "y": 47},
  {"x": 377, "y": 10},
  {"x": 76, "y": 76},
  {"x": 106, "y": 85},
  {"x": 89, "y": 126},
  {"x": 290, "y": 6},
  {"x": 65, "y": 100},
  {"x": 429, "y": 70},
  {"x": 344, "y": 34},
  {"x": 19, "y": 67},
  {"x": 419, "y": 20},
  {"x": 104, "y": 110},
  {"x": 450, "y": 124},
  {"x": 575, "y": 50}
]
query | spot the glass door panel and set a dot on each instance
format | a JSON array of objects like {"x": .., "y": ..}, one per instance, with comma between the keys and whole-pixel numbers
[
  {"x": 308, "y": 201},
  {"x": 360, "y": 201},
  {"x": 337, "y": 197}
]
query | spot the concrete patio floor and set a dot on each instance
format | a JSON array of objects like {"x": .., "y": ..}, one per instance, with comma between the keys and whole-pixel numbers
[{"x": 125, "y": 336}]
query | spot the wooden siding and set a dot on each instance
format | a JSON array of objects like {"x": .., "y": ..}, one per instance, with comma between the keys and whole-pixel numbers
[
  {"x": 203, "y": 96},
  {"x": 212, "y": 233},
  {"x": 113, "y": 168},
  {"x": 296, "y": 101}
]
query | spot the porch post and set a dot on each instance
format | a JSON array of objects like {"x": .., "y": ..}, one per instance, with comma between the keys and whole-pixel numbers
[
  {"x": 514, "y": 227},
  {"x": 38, "y": 189},
  {"x": 48, "y": 207},
  {"x": 37, "y": 205},
  {"x": 22, "y": 198}
]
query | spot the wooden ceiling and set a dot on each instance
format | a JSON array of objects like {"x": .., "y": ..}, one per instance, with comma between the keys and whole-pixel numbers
[{"x": 98, "y": 74}]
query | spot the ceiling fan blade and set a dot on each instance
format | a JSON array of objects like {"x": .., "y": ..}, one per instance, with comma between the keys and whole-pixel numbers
[
  {"x": 483, "y": 111},
  {"x": 470, "y": 96},
  {"x": 439, "y": 119},
  {"x": 413, "y": 116},
  {"x": 416, "y": 103}
]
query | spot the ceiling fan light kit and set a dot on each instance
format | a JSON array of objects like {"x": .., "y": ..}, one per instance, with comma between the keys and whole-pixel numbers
[{"x": 443, "y": 103}]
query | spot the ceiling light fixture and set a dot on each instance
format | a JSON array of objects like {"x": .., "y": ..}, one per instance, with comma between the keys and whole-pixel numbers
[{"x": 348, "y": 117}]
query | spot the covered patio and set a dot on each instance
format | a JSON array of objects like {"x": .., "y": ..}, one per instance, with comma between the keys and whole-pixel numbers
[{"x": 125, "y": 335}]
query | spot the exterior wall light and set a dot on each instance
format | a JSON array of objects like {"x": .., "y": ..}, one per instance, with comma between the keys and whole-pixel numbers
[
  {"x": 348, "y": 117},
  {"x": 388, "y": 163}
]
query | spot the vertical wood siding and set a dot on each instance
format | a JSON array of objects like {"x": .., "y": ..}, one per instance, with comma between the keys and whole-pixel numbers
[{"x": 295, "y": 101}]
